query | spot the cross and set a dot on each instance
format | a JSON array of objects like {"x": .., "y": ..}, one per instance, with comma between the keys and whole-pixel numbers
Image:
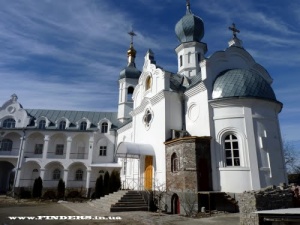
[
  {"x": 131, "y": 33},
  {"x": 234, "y": 30},
  {"x": 188, "y": 3}
]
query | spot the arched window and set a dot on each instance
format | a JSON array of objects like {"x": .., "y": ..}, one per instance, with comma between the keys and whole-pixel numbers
[
  {"x": 79, "y": 174},
  {"x": 104, "y": 127},
  {"x": 42, "y": 124},
  {"x": 56, "y": 174},
  {"x": 231, "y": 146},
  {"x": 174, "y": 163},
  {"x": 62, "y": 125},
  {"x": 129, "y": 94},
  {"x": 6, "y": 145},
  {"x": 148, "y": 83},
  {"x": 83, "y": 125},
  {"x": 9, "y": 123}
]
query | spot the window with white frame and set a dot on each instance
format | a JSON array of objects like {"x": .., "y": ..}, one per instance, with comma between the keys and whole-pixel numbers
[
  {"x": 59, "y": 149},
  {"x": 79, "y": 174},
  {"x": 104, "y": 127},
  {"x": 56, "y": 174},
  {"x": 9, "y": 123},
  {"x": 62, "y": 125},
  {"x": 6, "y": 145},
  {"x": 38, "y": 149},
  {"x": 42, "y": 124},
  {"x": 83, "y": 125},
  {"x": 231, "y": 146},
  {"x": 102, "y": 150}
]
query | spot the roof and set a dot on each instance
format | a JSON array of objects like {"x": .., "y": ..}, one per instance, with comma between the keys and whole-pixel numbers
[
  {"x": 130, "y": 71},
  {"x": 242, "y": 83},
  {"x": 74, "y": 116}
]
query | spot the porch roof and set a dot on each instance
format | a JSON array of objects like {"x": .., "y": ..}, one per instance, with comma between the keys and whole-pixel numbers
[{"x": 134, "y": 150}]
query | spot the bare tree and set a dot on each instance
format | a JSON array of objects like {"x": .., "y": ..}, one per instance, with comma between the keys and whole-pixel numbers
[{"x": 292, "y": 163}]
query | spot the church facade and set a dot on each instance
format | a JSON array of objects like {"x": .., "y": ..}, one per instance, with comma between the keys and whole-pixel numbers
[{"x": 211, "y": 126}]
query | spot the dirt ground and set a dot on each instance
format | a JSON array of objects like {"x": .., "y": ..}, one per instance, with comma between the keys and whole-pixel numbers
[{"x": 10, "y": 207}]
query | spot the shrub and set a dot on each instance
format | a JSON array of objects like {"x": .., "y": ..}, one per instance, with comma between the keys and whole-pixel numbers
[
  {"x": 106, "y": 183},
  {"x": 74, "y": 194},
  {"x": 49, "y": 195},
  {"x": 37, "y": 188},
  {"x": 24, "y": 193},
  {"x": 99, "y": 192},
  {"x": 114, "y": 181},
  {"x": 61, "y": 187}
]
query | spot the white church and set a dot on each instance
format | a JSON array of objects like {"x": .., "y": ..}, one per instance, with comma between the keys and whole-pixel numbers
[{"x": 210, "y": 126}]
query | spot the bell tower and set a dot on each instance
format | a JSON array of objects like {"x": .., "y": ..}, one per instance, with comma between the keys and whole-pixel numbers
[{"x": 128, "y": 80}]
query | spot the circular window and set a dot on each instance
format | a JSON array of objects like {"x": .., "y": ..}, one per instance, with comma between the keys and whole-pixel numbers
[
  {"x": 147, "y": 118},
  {"x": 11, "y": 109}
]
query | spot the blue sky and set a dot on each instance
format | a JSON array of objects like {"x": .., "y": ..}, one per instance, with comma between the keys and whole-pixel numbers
[{"x": 68, "y": 54}]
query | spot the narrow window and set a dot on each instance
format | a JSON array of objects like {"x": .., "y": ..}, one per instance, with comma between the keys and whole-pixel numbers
[
  {"x": 6, "y": 145},
  {"x": 42, "y": 124},
  {"x": 102, "y": 151},
  {"x": 62, "y": 125},
  {"x": 104, "y": 127},
  {"x": 56, "y": 174},
  {"x": 129, "y": 94},
  {"x": 199, "y": 57},
  {"x": 83, "y": 125},
  {"x": 79, "y": 175},
  {"x": 232, "y": 150},
  {"x": 38, "y": 149},
  {"x": 180, "y": 60},
  {"x": 59, "y": 149},
  {"x": 174, "y": 163},
  {"x": 148, "y": 83},
  {"x": 189, "y": 57},
  {"x": 9, "y": 123}
]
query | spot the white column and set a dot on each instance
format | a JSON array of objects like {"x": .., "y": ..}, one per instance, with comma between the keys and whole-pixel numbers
[
  {"x": 42, "y": 173},
  {"x": 90, "y": 150},
  {"x": 46, "y": 146},
  {"x": 20, "y": 161},
  {"x": 88, "y": 178},
  {"x": 68, "y": 151},
  {"x": 66, "y": 177}
]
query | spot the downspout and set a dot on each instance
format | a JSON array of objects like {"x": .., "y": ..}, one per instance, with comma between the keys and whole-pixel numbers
[{"x": 182, "y": 98}]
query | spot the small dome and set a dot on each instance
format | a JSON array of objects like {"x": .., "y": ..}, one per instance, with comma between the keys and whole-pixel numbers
[
  {"x": 189, "y": 28},
  {"x": 242, "y": 83},
  {"x": 130, "y": 72}
]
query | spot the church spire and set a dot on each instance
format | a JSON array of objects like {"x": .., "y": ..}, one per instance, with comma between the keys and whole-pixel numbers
[
  {"x": 131, "y": 53},
  {"x": 188, "y": 7}
]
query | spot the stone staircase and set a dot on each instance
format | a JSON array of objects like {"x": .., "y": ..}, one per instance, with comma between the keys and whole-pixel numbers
[
  {"x": 121, "y": 201},
  {"x": 131, "y": 201}
]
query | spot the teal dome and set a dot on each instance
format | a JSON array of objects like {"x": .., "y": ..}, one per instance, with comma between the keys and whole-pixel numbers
[
  {"x": 242, "y": 83},
  {"x": 189, "y": 28},
  {"x": 130, "y": 72}
]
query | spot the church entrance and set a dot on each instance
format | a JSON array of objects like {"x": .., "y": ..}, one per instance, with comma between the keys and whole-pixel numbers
[
  {"x": 148, "y": 172},
  {"x": 6, "y": 176},
  {"x": 175, "y": 205}
]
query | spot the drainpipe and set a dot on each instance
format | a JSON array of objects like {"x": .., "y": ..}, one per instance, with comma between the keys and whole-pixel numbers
[
  {"x": 182, "y": 98},
  {"x": 20, "y": 158}
]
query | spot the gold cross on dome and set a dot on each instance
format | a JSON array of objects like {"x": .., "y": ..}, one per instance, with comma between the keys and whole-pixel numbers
[
  {"x": 234, "y": 30},
  {"x": 131, "y": 33}
]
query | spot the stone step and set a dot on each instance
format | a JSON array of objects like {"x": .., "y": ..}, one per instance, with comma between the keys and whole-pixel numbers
[{"x": 127, "y": 209}]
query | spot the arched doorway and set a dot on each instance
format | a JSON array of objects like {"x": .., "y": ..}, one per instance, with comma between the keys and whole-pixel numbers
[
  {"x": 6, "y": 176},
  {"x": 148, "y": 172},
  {"x": 175, "y": 204}
]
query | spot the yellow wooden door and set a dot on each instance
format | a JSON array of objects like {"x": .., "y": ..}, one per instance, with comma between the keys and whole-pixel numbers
[{"x": 148, "y": 172}]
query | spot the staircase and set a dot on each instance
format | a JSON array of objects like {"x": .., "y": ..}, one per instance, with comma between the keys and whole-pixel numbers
[
  {"x": 105, "y": 202},
  {"x": 131, "y": 201}
]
